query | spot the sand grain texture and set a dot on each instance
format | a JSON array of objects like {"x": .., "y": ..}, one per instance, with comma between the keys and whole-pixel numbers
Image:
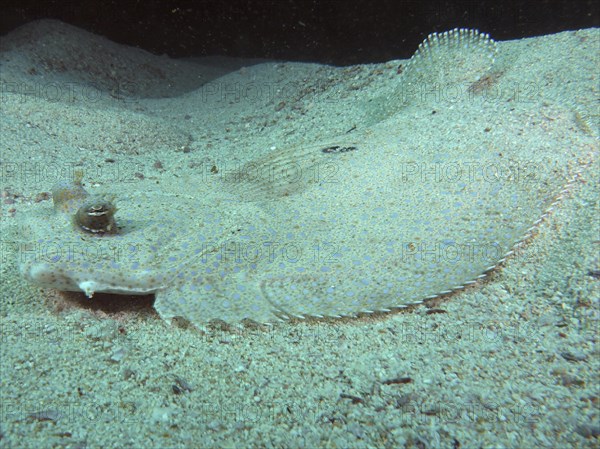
[{"x": 510, "y": 361}]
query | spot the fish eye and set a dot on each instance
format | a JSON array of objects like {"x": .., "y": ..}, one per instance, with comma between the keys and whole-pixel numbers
[{"x": 97, "y": 218}]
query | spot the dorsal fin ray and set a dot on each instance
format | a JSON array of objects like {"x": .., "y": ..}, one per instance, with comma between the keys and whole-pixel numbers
[{"x": 443, "y": 68}]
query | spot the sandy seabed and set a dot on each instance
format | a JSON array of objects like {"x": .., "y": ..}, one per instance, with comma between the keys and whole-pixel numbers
[{"x": 509, "y": 363}]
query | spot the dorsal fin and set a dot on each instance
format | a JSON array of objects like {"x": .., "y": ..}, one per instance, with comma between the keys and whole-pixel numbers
[{"x": 441, "y": 70}]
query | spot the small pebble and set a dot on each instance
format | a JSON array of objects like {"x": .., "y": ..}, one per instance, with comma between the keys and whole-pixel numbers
[
  {"x": 181, "y": 385},
  {"x": 161, "y": 414},
  {"x": 42, "y": 196},
  {"x": 215, "y": 425},
  {"x": 46, "y": 415},
  {"x": 568, "y": 380},
  {"x": 588, "y": 430},
  {"x": 574, "y": 356},
  {"x": 118, "y": 355}
]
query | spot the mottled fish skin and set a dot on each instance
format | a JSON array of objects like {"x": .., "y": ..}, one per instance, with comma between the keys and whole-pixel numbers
[{"x": 359, "y": 223}]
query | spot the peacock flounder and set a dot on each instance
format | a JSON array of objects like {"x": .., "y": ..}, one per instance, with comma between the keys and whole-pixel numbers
[{"x": 424, "y": 200}]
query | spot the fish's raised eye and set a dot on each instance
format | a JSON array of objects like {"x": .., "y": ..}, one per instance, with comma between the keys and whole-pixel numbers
[{"x": 97, "y": 218}]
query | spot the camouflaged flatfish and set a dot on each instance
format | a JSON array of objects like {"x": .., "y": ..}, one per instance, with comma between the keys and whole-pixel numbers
[{"x": 422, "y": 202}]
